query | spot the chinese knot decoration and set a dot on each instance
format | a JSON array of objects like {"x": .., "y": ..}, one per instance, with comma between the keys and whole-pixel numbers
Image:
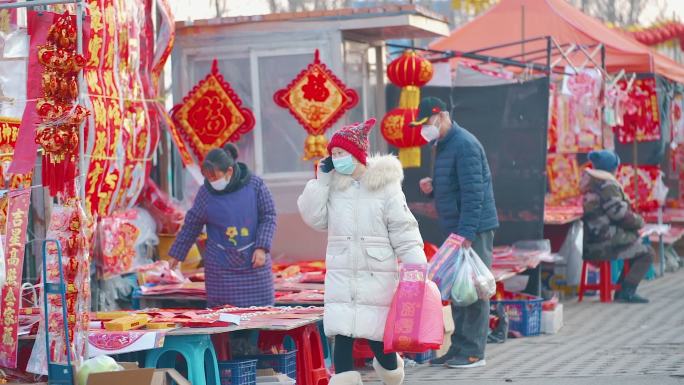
[
  {"x": 317, "y": 99},
  {"x": 61, "y": 116},
  {"x": 410, "y": 72},
  {"x": 212, "y": 114}
]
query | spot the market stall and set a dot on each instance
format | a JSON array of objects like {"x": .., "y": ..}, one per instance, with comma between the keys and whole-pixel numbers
[{"x": 626, "y": 106}]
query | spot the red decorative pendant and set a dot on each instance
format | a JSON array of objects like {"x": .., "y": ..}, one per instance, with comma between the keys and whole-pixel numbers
[
  {"x": 212, "y": 115},
  {"x": 317, "y": 99}
]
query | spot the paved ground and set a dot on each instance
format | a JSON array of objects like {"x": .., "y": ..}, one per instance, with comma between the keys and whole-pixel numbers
[{"x": 600, "y": 344}]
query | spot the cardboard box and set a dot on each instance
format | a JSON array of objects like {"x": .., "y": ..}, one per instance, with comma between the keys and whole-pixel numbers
[
  {"x": 123, "y": 324},
  {"x": 552, "y": 321},
  {"x": 132, "y": 374}
]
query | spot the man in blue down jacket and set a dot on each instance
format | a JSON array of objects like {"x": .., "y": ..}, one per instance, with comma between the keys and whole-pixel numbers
[{"x": 464, "y": 199}]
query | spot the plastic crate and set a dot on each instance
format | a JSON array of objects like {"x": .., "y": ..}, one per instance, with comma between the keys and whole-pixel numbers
[
  {"x": 285, "y": 363},
  {"x": 524, "y": 312},
  {"x": 422, "y": 358},
  {"x": 238, "y": 372}
]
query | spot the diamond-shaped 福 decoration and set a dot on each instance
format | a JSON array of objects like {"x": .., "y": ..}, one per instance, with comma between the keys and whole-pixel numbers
[
  {"x": 212, "y": 115},
  {"x": 316, "y": 98}
]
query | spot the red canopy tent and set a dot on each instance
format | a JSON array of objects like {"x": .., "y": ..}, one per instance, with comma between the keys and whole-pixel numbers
[{"x": 511, "y": 21}]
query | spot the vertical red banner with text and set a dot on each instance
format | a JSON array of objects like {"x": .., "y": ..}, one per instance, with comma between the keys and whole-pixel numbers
[{"x": 15, "y": 241}]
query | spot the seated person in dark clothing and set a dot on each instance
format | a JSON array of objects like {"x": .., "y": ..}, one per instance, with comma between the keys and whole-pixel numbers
[{"x": 611, "y": 227}]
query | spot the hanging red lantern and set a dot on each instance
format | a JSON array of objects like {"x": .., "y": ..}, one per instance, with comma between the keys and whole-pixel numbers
[
  {"x": 396, "y": 130},
  {"x": 409, "y": 72}
]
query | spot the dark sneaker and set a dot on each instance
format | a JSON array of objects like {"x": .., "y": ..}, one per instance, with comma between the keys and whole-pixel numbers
[
  {"x": 628, "y": 296},
  {"x": 466, "y": 362},
  {"x": 441, "y": 361}
]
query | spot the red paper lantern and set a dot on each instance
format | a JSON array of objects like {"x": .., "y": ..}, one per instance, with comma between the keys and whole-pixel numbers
[
  {"x": 410, "y": 70},
  {"x": 396, "y": 130}
]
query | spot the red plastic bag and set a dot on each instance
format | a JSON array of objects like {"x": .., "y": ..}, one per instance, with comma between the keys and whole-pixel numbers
[
  {"x": 164, "y": 210},
  {"x": 414, "y": 322}
]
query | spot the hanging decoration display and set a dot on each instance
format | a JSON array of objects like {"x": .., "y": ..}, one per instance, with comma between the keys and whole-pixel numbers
[
  {"x": 118, "y": 236},
  {"x": 14, "y": 249},
  {"x": 61, "y": 116},
  {"x": 317, "y": 99},
  {"x": 9, "y": 129},
  {"x": 123, "y": 66},
  {"x": 660, "y": 33},
  {"x": 71, "y": 227},
  {"x": 212, "y": 115},
  {"x": 641, "y": 121},
  {"x": 409, "y": 72},
  {"x": 564, "y": 177},
  {"x": 166, "y": 35},
  {"x": 647, "y": 177}
]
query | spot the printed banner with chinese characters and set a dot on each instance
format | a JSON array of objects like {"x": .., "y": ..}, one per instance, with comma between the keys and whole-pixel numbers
[
  {"x": 9, "y": 129},
  {"x": 15, "y": 243},
  {"x": 642, "y": 118},
  {"x": 122, "y": 74}
]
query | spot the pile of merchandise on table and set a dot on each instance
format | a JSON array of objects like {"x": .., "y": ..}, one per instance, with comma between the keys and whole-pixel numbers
[
  {"x": 510, "y": 260},
  {"x": 300, "y": 282},
  {"x": 117, "y": 332}
]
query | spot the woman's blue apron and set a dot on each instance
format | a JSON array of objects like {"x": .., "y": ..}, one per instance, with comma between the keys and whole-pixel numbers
[{"x": 232, "y": 222}]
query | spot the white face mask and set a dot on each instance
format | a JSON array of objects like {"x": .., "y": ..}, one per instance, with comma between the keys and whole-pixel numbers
[
  {"x": 219, "y": 185},
  {"x": 429, "y": 132}
]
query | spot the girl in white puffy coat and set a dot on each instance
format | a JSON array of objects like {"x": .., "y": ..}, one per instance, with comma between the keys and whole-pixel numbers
[{"x": 360, "y": 203}]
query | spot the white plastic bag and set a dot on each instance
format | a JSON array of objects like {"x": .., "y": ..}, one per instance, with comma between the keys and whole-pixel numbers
[
  {"x": 485, "y": 284},
  {"x": 99, "y": 364},
  {"x": 473, "y": 280},
  {"x": 463, "y": 292}
]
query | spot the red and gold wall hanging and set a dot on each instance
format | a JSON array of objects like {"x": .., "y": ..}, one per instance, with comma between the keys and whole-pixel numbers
[
  {"x": 642, "y": 118},
  {"x": 9, "y": 130},
  {"x": 212, "y": 114},
  {"x": 317, "y": 99},
  {"x": 647, "y": 177},
  {"x": 409, "y": 72},
  {"x": 14, "y": 245},
  {"x": 564, "y": 177}
]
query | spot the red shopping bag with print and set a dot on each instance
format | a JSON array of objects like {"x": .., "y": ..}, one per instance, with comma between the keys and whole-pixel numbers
[{"x": 414, "y": 322}]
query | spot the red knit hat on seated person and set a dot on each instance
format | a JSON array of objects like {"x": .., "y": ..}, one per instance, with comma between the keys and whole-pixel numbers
[{"x": 353, "y": 139}]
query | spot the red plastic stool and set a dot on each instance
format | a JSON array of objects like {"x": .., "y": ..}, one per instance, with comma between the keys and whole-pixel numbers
[
  {"x": 430, "y": 250},
  {"x": 311, "y": 368},
  {"x": 222, "y": 346},
  {"x": 361, "y": 352},
  {"x": 605, "y": 286}
]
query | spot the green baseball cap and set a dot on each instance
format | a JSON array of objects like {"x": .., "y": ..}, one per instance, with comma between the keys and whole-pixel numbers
[{"x": 428, "y": 107}]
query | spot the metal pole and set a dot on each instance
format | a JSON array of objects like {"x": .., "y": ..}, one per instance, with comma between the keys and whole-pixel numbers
[
  {"x": 81, "y": 98},
  {"x": 549, "y": 47},
  {"x": 37, "y": 3},
  {"x": 522, "y": 31}
]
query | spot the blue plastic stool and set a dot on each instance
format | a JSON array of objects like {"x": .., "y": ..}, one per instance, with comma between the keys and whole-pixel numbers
[
  {"x": 199, "y": 355},
  {"x": 326, "y": 345}
]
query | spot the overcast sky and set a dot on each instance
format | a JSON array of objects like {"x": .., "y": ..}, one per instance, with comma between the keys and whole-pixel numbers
[{"x": 202, "y": 9}]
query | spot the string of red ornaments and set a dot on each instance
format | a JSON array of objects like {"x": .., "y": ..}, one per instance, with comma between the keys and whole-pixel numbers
[{"x": 60, "y": 113}]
